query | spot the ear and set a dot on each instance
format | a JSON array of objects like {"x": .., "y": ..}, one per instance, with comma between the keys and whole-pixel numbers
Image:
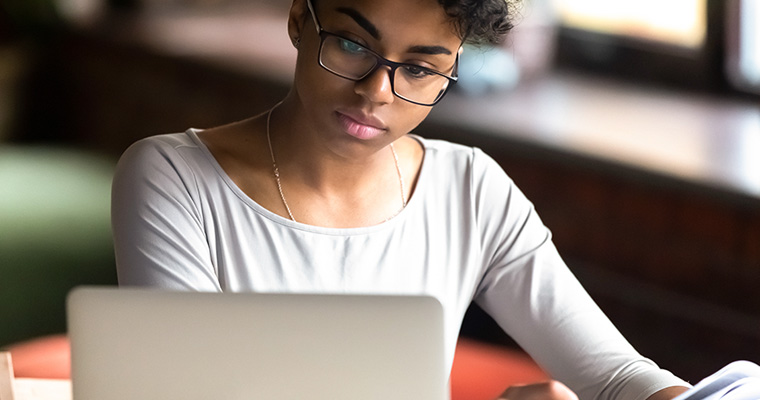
[{"x": 299, "y": 11}]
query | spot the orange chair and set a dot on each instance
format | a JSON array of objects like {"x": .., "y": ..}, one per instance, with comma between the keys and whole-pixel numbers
[
  {"x": 483, "y": 371},
  {"x": 480, "y": 371},
  {"x": 47, "y": 357}
]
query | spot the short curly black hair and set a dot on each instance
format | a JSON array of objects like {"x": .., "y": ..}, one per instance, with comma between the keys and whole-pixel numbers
[{"x": 481, "y": 22}]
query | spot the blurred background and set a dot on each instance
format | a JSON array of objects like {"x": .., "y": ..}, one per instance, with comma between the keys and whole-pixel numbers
[{"x": 634, "y": 126}]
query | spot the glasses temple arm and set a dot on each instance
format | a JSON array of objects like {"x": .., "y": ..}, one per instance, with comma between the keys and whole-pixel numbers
[{"x": 314, "y": 16}]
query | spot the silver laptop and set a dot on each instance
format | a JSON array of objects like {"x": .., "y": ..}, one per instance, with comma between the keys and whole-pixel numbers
[{"x": 147, "y": 344}]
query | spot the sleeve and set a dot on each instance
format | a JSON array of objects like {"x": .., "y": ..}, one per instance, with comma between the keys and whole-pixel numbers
[
  {"x": 527, "y": 288},
  {"x": 158, "y": 231}
]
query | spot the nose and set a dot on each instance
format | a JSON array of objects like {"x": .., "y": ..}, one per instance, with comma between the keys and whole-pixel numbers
[{"x": 376, "y": 87}]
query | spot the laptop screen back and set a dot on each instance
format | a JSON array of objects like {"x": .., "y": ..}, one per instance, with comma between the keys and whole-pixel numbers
[{"x": 148, "y": 344}]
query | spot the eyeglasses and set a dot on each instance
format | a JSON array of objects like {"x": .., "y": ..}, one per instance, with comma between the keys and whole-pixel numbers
[{"x": 350, "y": 60}]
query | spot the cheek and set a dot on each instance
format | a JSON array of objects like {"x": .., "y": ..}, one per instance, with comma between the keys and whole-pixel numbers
[
  {"x": 320, "y": 91},
  {"x": 312, "y": 82}
]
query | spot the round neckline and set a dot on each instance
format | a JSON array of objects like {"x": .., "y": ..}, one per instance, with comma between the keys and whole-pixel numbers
[{"x": 278, "y": 219}]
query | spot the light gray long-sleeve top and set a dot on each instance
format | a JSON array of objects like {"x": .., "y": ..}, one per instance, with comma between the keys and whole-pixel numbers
[{"x": 467, "y": 233}]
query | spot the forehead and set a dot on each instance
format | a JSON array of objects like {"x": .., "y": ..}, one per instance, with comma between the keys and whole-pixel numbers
[{"x": 400, "y": 21}]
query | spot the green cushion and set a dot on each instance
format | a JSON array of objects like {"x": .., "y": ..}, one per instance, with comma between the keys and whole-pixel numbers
[{"x": 54, "y": 234}]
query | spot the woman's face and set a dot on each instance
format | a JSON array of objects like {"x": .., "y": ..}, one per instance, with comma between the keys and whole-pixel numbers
[{"x": 360, "y": 117}]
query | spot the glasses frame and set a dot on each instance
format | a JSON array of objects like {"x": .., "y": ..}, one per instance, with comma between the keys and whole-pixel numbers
[{"x": 381, "y": 61}]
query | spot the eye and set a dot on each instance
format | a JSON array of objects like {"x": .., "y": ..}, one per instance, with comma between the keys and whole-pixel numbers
[
  {"x": 417, "y": 72},
  {"x": 350, "y": 47}
]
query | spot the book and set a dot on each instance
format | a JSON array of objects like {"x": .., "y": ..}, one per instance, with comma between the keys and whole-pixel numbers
[{"x": 739, "y": 380}]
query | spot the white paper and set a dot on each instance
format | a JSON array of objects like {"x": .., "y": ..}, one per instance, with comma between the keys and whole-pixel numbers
[{"x": 739, "y": 380}]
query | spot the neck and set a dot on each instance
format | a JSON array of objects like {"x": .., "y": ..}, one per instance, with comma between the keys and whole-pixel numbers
[
  {"x": 336, "y": 182},
  {"x": 323, "y": 163}
]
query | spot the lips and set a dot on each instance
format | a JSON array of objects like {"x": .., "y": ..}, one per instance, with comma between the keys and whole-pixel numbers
[{"x": 361, "y": 126}]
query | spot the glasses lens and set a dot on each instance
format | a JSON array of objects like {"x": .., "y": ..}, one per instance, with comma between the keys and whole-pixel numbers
[
  {"x": 418, "y": 84},
  {"x": 346, "y": 58},
  {"x": 351, "y": 60}
]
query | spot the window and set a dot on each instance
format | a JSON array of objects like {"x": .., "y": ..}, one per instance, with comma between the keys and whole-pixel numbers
[
  {"x": 674, "y": 42},
  {"x": 679, "y": 23},
  {"x": 743, "y": 45}
]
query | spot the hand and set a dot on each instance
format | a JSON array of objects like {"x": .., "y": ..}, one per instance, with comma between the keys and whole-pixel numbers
[
  {"x": 668, "y": 393},
  {"x": 551, "y": 390}
]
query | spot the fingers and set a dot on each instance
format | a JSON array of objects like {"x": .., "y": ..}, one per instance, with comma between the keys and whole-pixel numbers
[{"x": 551, "y": 390}]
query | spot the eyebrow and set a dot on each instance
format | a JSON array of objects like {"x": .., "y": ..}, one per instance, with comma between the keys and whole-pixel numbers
[
  {"x": 433, "y": 50},
  {"x": 363, "y": 22},
  {"x": 372, "y": 30}
]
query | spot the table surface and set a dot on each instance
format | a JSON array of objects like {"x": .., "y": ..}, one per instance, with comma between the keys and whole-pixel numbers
[{"x": 711, "y": 142}]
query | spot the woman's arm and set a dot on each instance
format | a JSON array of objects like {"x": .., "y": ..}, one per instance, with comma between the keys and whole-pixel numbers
[
  {"x": 158, "y": 227},
  {"x": 527, "y": 288}
]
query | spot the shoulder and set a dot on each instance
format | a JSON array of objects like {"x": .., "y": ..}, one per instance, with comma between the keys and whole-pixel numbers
[
  {"x": 474, "y": 179},
  {"x": 168, "y": 160},
  {"x": 166, "y": 145},
  {"x": 443, "y": 147},
  {"x": 167, "y": 149},
  {"x": 448, "y": 156}
]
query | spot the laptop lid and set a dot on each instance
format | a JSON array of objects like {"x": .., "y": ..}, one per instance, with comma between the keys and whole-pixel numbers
[{"x": 149, "y": 344}]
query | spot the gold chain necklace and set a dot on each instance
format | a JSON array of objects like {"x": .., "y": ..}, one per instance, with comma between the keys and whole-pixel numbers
[{"x": 276, "y": 172}]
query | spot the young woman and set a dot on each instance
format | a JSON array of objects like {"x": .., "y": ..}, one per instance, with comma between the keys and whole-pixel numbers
[{"x": 329, "y": 191}]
